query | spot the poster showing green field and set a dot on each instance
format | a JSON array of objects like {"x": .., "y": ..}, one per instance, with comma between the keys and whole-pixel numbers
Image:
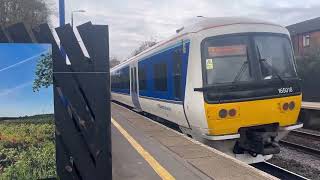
[{"x": 27, "y": 149}]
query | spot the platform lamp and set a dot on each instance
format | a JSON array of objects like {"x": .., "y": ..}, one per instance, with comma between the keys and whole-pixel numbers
[{"x": 75, "y": 11}]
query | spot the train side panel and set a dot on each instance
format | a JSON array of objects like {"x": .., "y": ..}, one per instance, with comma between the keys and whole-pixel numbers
[
  {"x": 165, "y": 104},
  {"x": 194, "y": 100}
]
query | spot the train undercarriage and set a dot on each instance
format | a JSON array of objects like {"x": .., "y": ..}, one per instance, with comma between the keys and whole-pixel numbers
[{"x": 254, "y": 144}]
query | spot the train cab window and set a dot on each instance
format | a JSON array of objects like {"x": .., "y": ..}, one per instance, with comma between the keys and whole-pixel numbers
[
  {"x": 275, "y": 56},
  {"x": 226, "y": 60},
  {"x": 160, "y": 77},
  {"x": 142, "y": 77}
]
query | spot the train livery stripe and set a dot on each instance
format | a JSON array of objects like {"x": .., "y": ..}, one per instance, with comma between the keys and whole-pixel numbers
[{"x": 160, "y": 170}]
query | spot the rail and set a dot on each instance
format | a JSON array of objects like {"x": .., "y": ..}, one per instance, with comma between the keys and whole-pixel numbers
[
  {"x": 303, "y": 148},
  {"x": 306, "y": 134},
  {"x": 277, "y": 171}
]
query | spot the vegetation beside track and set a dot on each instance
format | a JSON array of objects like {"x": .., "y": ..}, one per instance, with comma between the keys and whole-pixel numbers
[{"x": 27, "y": 149}]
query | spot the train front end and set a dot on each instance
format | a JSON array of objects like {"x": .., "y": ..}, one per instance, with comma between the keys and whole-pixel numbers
[{"x": 251, "y": 92}]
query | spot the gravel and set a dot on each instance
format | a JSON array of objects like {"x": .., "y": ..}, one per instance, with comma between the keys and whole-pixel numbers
[{"x": 298, "y": 162}]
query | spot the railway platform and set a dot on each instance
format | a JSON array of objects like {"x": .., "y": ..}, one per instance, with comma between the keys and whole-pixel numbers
[
  {"x": 144, "y": 149},
  {"x": 310, "y": 105}
]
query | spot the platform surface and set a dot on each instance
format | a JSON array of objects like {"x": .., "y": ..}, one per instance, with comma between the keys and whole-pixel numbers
[
  {"x": 310, "y": 105},
  {"x": 143, "y": 149}
]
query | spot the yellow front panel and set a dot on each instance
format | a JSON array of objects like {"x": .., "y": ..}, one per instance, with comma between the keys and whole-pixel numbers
[{"x": 251, "y": 113}]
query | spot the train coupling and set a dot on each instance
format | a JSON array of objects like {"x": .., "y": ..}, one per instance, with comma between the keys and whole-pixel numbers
[{"x": 258, "y": 140}]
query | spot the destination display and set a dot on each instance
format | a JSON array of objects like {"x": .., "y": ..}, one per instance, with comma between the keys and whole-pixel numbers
[{"x": 232, "y": 50}]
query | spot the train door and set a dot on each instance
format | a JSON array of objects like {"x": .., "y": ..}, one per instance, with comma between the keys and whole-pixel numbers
[
  {"x": 134, "y": 88},
  {"x": 177, "y": 72}
]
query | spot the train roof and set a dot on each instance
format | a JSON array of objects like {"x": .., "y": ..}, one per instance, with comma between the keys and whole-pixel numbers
[
  {"x": 208, "y": 23},
  {"x": 203, "y": 24}
]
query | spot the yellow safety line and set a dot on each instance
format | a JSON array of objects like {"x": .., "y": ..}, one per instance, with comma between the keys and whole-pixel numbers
[{"x": 160, "y": 170}]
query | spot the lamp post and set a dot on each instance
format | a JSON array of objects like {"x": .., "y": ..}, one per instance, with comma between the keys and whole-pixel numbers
[
  {"x": 76, "y": 11},
  {"x": 61, "y": 12}
]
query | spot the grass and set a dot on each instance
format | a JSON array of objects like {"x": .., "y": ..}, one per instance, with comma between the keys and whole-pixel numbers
[{"x": 27, "y": 149}]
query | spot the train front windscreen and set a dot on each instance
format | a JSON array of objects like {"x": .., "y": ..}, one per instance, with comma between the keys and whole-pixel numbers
[{"x": 248, "y": 66}]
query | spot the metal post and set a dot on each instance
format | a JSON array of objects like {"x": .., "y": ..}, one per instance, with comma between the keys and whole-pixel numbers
[
  {"x": 62, "y": 22},
  {"x": 75, "y": 11},
  {"x": 72, "y": 19},
  {"x": 62, "y": 19}
]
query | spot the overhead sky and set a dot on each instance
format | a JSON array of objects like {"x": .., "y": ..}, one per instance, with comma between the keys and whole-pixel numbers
[
  {"x": 133, "y": 21},
  {"x": 17, "y": 72}
]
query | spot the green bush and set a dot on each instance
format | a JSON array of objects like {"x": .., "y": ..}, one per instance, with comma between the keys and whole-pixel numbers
[
  {"x": 309, "y": 64},
  {"x": 34, "y": 163},
  {"x": 27, "y": 149}
]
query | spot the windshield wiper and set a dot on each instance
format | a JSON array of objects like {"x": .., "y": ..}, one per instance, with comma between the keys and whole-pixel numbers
[
  {"x": 239, "y": 74},
  {"x": 274, "y": 71}
]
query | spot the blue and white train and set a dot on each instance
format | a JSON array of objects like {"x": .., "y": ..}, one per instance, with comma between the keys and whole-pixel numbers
[{"x": 228, "y": 82}]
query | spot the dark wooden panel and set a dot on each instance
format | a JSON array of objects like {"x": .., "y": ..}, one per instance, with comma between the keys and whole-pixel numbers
[
  {"x": 73, "y": 50},
  {"x": 95, "y": 39},
  {"x": 81, "y": 99},
  {"x": 43, "y": 34},
  {"x": 19, "y": 34},
  {"x": 3, "y": 36},
  {"x": 88, "y": 93},
  {"x": 72, "y": 136}
]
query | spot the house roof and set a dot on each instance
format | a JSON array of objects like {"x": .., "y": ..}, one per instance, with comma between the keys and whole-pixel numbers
[{"x": 305, "y": 26}]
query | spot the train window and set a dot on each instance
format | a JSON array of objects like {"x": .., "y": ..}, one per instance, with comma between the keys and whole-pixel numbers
[
  {"x": 125, "y": 83},
  {"x": 160, "y": 77},
  {"x": 142, "y": 77},
  {"x": 226, "y": 60},
  {"x": 120, "y": 79},
  {"x": 113, "y": 81},
  {"x": 275, "y": 56}
]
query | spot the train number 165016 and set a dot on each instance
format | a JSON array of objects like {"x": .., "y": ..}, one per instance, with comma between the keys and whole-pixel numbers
[{"x": 285, "y": 90}]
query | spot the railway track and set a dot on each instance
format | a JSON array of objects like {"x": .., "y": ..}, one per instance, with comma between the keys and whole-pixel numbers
[
  {"x": 306, "y": 149},
  {"x": 278, "y": 171},
  {"x": 306, "y": 135}
]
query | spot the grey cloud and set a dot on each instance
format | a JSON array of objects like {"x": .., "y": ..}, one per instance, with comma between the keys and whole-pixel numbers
[{"x": 132, "y": 22}]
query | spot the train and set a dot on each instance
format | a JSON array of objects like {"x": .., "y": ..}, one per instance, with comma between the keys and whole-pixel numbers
[{"x": 228, "y": 82}]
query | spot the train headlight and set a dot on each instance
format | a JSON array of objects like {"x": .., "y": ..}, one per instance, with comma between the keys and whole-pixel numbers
[
  {"x": 223, "y": 113},
  {"x": 232, "y": 112},
  {"x": 285, "y": 106},
  {"x": 292, "y": 105}
]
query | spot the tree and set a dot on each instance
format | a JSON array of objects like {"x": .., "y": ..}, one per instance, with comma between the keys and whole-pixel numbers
[
  {"x": 30, "y": 12},
  {"x": 44, "y": 72},
  {"x": 143, "y": 46},
  {"x": 114, "y": 61}
]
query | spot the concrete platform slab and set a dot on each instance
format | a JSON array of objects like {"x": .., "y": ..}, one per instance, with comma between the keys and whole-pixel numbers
[
  {"x": 180, "y": 156},
  {"x": 191, "y": 151}
]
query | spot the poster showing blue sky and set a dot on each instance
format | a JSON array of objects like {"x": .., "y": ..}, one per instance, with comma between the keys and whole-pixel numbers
[{"x": 18, "y": 64}]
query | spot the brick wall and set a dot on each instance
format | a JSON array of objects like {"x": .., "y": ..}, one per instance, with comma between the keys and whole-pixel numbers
[{"x": 297, "y": 42}]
